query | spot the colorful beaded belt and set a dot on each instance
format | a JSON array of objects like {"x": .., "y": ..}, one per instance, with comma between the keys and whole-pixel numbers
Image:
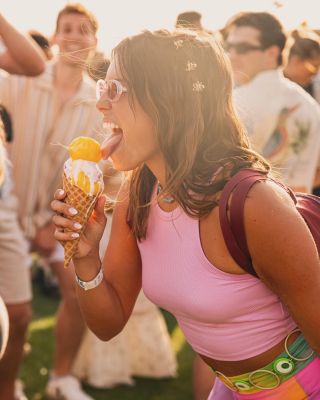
[{"x": 286, "y": 365}]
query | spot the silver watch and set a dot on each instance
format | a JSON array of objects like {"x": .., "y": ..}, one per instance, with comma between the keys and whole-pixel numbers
[{"x": 90, "y": 284}]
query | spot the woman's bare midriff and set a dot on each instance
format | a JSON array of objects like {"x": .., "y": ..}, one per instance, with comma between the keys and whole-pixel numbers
[{"x": 233, "y": 368}]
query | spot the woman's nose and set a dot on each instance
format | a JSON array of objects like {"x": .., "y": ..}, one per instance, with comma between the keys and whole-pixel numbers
[{"x": 103, "y": 103}]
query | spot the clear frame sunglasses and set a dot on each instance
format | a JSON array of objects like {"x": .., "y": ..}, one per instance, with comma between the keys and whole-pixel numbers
[{"x": 111, "y": 89}]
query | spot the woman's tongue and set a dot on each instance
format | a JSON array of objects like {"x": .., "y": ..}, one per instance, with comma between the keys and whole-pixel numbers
[{"x": 110, "y": 144}]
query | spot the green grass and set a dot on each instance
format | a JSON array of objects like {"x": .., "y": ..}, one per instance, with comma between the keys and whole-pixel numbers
[{"x": 38, "y": 361}]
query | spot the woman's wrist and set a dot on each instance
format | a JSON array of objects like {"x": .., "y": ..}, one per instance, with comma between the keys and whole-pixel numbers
[
  {"x": 93, "y": 283},
  {"x": 87, "y": 268}
]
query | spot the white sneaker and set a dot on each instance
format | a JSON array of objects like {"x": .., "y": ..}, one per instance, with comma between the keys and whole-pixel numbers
[
  {"x": 65, "y": 388},
  {"x": 18, "y": 390}
]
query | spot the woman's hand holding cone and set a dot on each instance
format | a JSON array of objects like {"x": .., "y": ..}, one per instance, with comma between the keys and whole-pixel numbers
[
  {"x": 67, "y": 230},
  {"x": 84, "y": 240}
]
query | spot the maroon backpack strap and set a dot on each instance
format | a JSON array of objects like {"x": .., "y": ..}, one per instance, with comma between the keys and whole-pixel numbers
[{"x": 233, "y": 228}]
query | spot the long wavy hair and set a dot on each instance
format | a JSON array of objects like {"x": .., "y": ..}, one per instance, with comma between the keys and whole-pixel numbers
[{"x": 183, "y": 82}]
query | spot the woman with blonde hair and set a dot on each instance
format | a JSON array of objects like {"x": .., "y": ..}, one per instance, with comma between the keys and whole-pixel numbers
[{"x": 167, "y": 99}]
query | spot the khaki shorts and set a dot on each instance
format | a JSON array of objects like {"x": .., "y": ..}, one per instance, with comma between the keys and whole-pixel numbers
[{"x": 15, "y": 281}]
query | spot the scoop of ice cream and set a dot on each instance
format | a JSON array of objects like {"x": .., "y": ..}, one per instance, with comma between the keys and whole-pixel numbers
[
  {"x": 85, "y": 148},
  {"x": 82, "y": 168}
]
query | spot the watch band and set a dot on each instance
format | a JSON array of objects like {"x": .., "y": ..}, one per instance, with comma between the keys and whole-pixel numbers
[{"x": 91, "y": 284}]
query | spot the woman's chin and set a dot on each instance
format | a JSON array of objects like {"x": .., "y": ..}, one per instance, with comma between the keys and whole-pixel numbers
[{"x": 121, "y": 164}]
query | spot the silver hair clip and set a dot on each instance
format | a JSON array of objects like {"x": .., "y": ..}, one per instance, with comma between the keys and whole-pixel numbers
[
  {"x": 178, "y": 43},
  {"x": 198, "y": 86},
  {"x": 191, "y": 66}
]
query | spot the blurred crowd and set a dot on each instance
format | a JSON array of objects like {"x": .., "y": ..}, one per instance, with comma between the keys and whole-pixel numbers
[{"x": 47, "y": 99}]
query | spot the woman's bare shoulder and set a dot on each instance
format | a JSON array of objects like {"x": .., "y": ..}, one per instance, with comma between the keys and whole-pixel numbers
[
  {"x": 269, "y": 201},
  {"x": 276, "y": 232}
]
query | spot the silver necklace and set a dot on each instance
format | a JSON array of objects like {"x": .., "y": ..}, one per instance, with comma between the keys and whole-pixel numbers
[{"x": 167, "y": 199}]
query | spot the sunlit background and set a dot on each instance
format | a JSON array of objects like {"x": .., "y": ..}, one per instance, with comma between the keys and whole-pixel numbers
[{"x": 120, "y": 18}]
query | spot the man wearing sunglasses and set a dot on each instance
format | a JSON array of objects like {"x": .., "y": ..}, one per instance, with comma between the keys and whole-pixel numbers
[{"x": 283, "y": 121}]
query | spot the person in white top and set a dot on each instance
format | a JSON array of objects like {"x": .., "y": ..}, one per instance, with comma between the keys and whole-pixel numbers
[
  {"x": 21, "y": 56},
  {"x": 283, "y": 121},
  {"x": 53, "y": 108},
  {"x": 303, "y": 68}
]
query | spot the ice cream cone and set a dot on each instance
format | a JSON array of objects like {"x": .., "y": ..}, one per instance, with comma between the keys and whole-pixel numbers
[
  {"x": 84, "y": 204},
  {"x": 82, "y": 183}
]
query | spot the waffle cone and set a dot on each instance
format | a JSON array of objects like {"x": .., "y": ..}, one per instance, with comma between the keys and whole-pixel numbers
[{"x": 84, "y": 204}]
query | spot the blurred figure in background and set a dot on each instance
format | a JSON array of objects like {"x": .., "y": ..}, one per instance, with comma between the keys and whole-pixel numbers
[
  {"x": 192, "y": 20},
  {"x": 18, "y": 55},
  {"x": 303, "y": 68},
  {"x": 43, "y": 43},
  {"x": 283, "y": 121},
  {"x": 303, "y": 59},
  {"x": 53, "y": 109},
  {"x": 43, "y": 274},
  {"x": 189, "y": 20}
]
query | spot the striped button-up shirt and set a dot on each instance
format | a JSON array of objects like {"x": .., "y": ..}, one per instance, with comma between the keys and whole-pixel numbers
[{"x": 41, "y": 135}]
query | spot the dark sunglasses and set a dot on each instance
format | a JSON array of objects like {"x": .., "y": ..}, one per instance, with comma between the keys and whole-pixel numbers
[{"x": 241, "y": 47}]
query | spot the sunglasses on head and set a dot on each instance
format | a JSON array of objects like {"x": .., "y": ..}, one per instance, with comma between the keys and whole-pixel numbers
[
  {"x": 111, "y": 89},
  {"x": 242, "y": 47}
]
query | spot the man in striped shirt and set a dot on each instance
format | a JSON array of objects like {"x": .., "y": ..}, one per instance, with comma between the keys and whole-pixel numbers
[{"x": 47, "y": 113}]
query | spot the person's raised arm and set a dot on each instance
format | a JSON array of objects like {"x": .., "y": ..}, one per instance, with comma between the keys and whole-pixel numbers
[
  {"x": 285, "y": 256},
  {"x": 22, "y": 55},
  {"x": 107, "y": 307}
]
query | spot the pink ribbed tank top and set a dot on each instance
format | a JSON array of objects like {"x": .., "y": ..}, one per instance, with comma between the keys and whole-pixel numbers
[{"x": 223, "y": 316}]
